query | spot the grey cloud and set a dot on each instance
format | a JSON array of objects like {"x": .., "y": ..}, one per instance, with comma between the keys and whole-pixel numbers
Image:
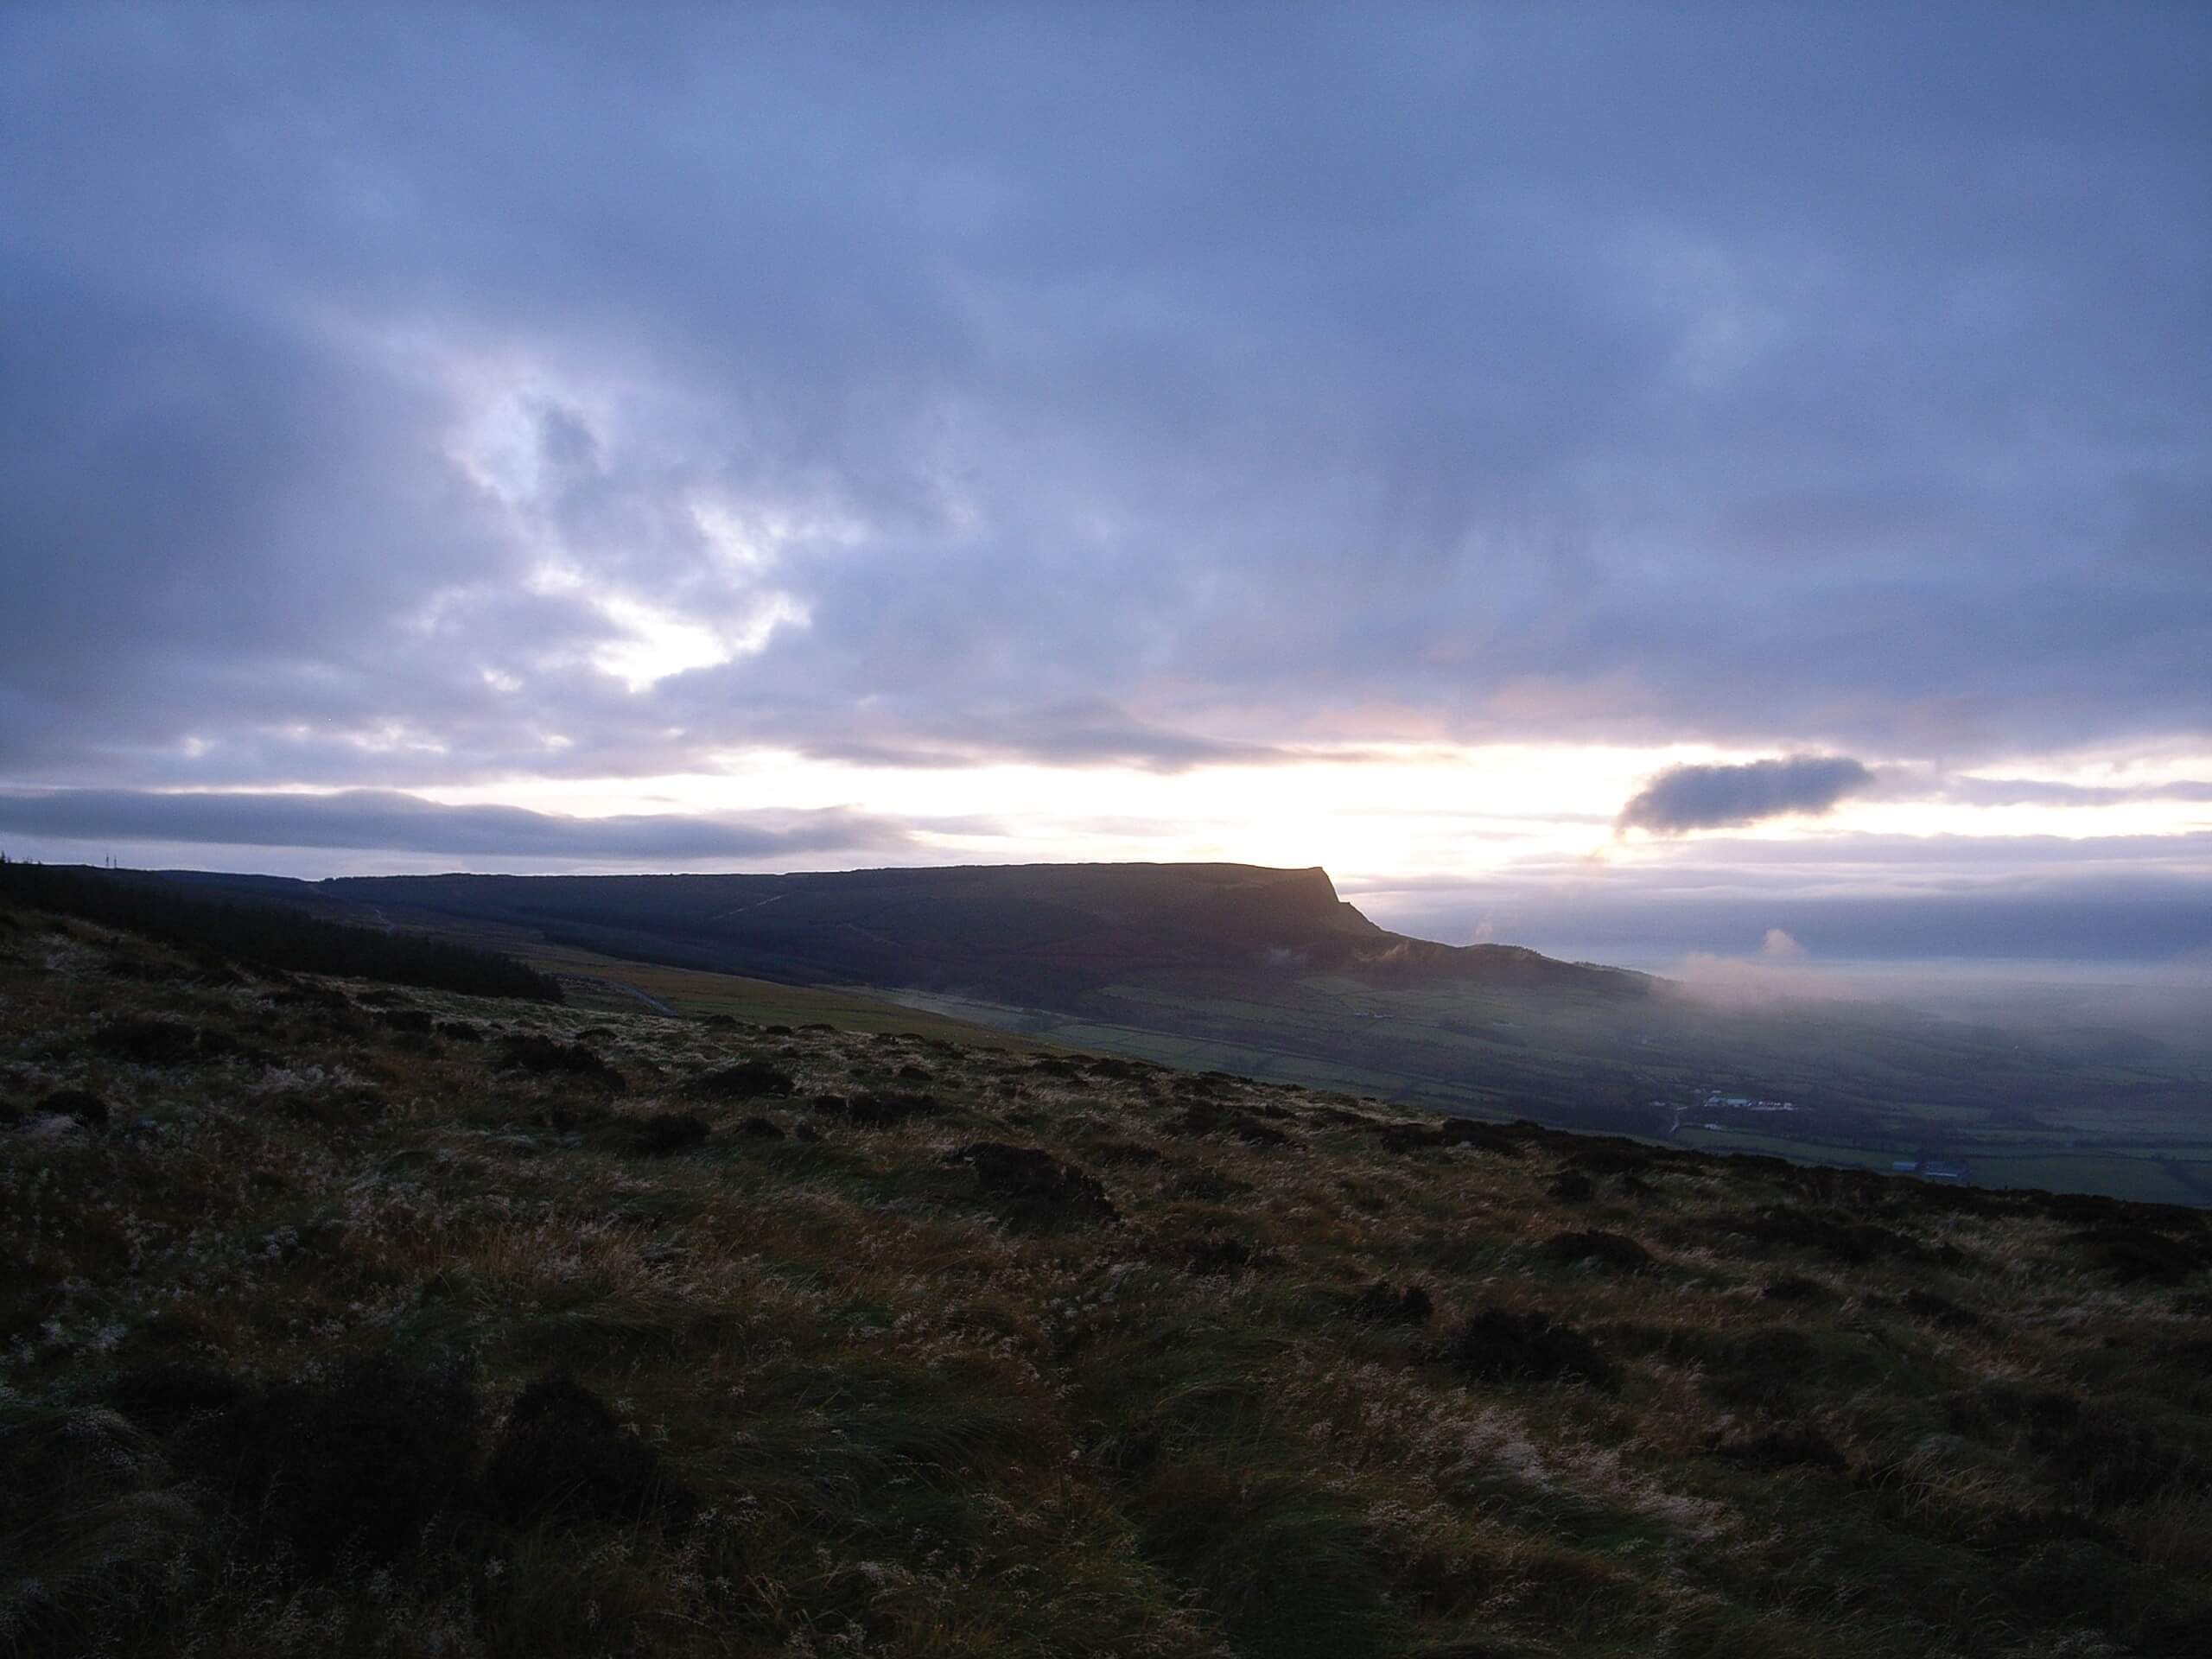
[
  {"x": 1081, "y": 732},
  {"x": 386, "y": 820},
  {"x": 1815, "y": 375},
  {"x": 1706, "y": 798}
]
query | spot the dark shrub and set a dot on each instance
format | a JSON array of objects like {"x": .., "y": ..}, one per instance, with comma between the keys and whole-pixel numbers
[
  {"x": 662, "y": 1135},
  {"x": 2128, "y": 1450},
  {"x": 148, "y": 1041},
  {"x": 416, "y": 1020},
  {"x": 358, "y": 1465},
  {"x": 1498, "y": 1345},
  {"x": 1380, "y": 1304},
  {"x": 1768, "y": 1367},
  {"x": 1999, "y": 1411},
  {"x": 1850, "y": 1241},
  {"x": 2135, "y": 1255},
  {"x": 165, "y": 1397},
  {"x": 214, "y": 1043},
  {"x": 746, "y": 1080},
  {"x": 301, "y": 993},
  {"x": 567, "y": 1117},
  {"x": 1614, "y": 1155},
  {"x": 1203, "y": 1117},
  {"x": 562, "y": 1453},
  {"x": 1130, "y": 1151},
  {"x": 2015, "y": 1531},
  {"x": 343, "y": 1107},
  {"x": 1217, "y": 1252},
  {"x": 1571, "y": 1187},
  {"x": 546, "y": 1056},
  {"x": 1446, "y": 1131},
  {"x": 1034, "y": 1190},
  {"x": 1927, "y": 1305},
  {"x": 1609, "y": 1251},
  {"x": 760, "y": 1129},
  {"x": 460, "y": 1031},
  {"x": 1792, "y": 1446},
  {"x": 1795, "y": 1287},
  {"x": 877, "y": 1111},
  {"x": 88, "y": 1108},
  {"x": 720, "y": 1022},
  {"x": 1286, "y": 1564},
  {"x": 1209, "y": 1186}
]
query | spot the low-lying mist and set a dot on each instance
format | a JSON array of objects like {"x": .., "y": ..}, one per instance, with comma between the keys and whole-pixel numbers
[{"x": 2171, "y": 1002}]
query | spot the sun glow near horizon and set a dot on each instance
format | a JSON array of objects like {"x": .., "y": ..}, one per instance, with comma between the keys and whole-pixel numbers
[{"x": 1377, "y": 813}]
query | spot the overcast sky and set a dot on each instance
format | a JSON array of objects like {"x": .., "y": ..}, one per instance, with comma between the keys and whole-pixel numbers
[{"x": 1581, "y": 473}]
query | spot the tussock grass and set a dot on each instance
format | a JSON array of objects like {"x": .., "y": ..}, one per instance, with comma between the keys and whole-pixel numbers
[{"x": 335, "y": 1320}]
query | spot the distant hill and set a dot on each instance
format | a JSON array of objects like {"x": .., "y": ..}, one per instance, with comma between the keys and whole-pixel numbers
[
  {"x": 1039, "y": 934},
  {"x": 241, "y": 923},
  {"x": 1267, "y": 972}
]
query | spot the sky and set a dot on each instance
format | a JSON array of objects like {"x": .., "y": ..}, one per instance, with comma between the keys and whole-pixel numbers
[{"x": 1632, "y": 480}]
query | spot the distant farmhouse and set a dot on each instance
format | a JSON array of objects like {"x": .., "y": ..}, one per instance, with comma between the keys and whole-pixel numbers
[{"x": 1932, "y": 1169}]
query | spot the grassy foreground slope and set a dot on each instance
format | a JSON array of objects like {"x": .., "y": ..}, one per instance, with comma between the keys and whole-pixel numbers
[{"x": 342, "y": 1320}]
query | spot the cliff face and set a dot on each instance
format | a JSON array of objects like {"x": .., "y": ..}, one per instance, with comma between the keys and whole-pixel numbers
[
  {"x": 1035, "y": 933},
  {"x": 1027, "y": 932}
]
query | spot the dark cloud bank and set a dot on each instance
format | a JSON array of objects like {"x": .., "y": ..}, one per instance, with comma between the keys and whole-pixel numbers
[
  {"x": 365, "y": 819},
  {"x": 1704, "y": 798}
]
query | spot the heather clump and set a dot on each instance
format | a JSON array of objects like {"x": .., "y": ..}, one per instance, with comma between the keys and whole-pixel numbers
[
  {"x": 539, "y": 1055},
  {"x": 356, "y": 1463},
  {"x": 563, "y": 1453},
  {"x": 1381, "y": 1304},
  {"x": 1034, "y": 1190},
  {"x": 746, "y": 1080},
  {"x": 1593, "y": 1247},
  {"x": 1498, "y": 1345}
]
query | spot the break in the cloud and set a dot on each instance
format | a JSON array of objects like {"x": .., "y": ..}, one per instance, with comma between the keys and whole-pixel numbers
[
  {"x": 387, "y": 820},
  {"x": 2038, "y": 791},
  {"x": 1706, "y": 798}
]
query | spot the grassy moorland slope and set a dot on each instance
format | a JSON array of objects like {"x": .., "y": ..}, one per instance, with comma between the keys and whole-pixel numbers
[{"x": 336, "y": 1319}]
